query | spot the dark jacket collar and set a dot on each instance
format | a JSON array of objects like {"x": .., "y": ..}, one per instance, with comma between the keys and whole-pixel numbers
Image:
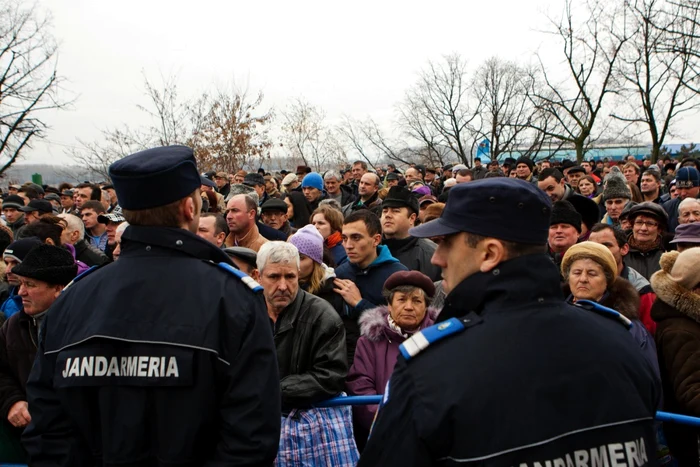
[
  {"x": 396, "y": 245},
  {"x": 288, "y": 317},
  {"x": 513, "y": 283},
  {"x": 173, "y": 239}
]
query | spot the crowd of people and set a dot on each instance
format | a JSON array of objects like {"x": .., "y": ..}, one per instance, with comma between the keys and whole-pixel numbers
[{"x": 173, "y": 317}]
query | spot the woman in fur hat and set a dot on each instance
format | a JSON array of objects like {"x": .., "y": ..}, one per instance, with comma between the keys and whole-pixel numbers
[
  {"x": 677, "y": 314},
  {"x": 590, "y": 271},
  {"x": 383, "y": 330}
]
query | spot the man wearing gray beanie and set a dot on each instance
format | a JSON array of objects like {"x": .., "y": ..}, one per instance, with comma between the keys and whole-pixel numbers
[{"x": 616, "y": 195}]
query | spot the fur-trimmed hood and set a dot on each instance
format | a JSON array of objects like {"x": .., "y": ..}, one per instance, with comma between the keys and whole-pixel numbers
[
  {"x": 673, "y": 294},
  {"x": 374, "y": 324}
]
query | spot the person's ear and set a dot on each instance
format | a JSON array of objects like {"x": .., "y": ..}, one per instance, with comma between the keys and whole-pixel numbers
[
  {"x": 48, "y": 241},
  {"x": 625, "y": 249},
  {"x": 412, "y": 218},
  {"x": 189, "y": 209},
  {"x": 57, "y": 291},
  {"x": 376, "y": 240},
  {"x": 493, "y": 253}
]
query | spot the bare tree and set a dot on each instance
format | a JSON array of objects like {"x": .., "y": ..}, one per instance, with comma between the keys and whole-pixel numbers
[
  {"x": 438, "y": 111},
  {"x": 96, "y": 156},
  {"x": 309, "y": 138},
  {"x": 234, "y": 132},
  {"x": 501, "y": 88},
  {"x": 656, "y": 67},
  {"x": 591, "y": 49},
  {"x": 171, "y": 121},
  {"x": 170, "y": 115},
  {"x": 28, "y": 78},
  {"x": 370, "y": 141}
]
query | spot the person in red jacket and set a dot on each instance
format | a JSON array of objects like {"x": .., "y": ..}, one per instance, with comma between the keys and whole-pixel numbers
[{"x": 615, "y": 240}]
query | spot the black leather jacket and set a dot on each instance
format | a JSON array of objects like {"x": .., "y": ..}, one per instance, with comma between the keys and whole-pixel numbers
[{"x": 310, "y": 341}]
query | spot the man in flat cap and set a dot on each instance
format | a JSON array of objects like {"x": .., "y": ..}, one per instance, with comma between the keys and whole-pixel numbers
[
  {"x": 508, "y": 375},
  {"x": 164, "y": 357}
]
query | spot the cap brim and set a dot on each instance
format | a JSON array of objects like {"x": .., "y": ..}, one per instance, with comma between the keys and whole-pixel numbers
[
  {"x": 434, "y": 228},
  {"x": 686, "y": 240},
  {"x": 28, "y": 209}
]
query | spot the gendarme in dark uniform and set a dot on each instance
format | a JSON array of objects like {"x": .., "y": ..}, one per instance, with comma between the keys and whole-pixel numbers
[
  {"x": 512, "y": 375},
  {"x": 162, "y": 358}
]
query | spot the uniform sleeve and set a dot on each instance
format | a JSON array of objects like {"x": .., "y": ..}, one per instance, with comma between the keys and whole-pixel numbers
[
  {"x": 10, "y": 390},
  {"x": 395, "y": 440},
  {"x": 361, "y": 382},
  {"x": 681, "y": 354},
  {"x": 50, "y": 439},
  {"x": 325, "y": 377},
  {"x": 250, "y": 413}
]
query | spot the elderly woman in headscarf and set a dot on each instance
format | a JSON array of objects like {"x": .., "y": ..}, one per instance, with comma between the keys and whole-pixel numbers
[
  {"x": 590, "y": 271},
  {"x": 382, "y": 331},
  {"x": 677, "y": 314}
]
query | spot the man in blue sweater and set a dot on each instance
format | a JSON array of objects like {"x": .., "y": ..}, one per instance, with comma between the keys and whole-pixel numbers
[{"x": 360, "y": 279}]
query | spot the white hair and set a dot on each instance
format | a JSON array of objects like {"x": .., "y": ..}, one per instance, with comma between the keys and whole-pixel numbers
[
  {"x": 686, "y": 202},
  {"x": 74, "y": 223},
  {"x": 450, "y": 182},
  {"x": 277, "y": 252},
  {"x": 332, "y": 174},
  {"x": 121, "y": 228}
]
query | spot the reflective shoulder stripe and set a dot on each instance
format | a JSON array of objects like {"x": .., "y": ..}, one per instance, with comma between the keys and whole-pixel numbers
[
  {"x": 605, "y": 311},
  {"x": 81, "y": 275},
  {"x": 245, "y": 278},
  {"x": 422, "y": 339}
]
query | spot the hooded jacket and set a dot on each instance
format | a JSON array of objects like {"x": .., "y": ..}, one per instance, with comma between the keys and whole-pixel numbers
[
  {"x": 677, "y": 315},
  {"x": 311, "y": 352},
  {"x": 375, "y": 357},
  {"x": 370, "y": 282},
  {"x": 415, "y": 254}
]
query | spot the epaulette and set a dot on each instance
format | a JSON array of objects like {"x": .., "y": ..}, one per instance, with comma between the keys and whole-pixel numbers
[
  {"x": 422, "y": 339},
  {"x": 245, "y": 278},
  {"x": 605, "y": 311},
  {"x": 82, "y": 275}
]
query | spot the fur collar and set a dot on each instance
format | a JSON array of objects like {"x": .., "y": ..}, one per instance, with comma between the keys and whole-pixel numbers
[
  {"x": 374, "y": 324},
  {"x": 622, "y": 297},
  {"x": 670, "y": 292}
]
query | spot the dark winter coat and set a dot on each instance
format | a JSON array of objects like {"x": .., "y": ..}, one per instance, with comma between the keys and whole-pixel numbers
[
  {"x": 271, "y": 234},
  {"x": 370, "y": 282},
  {"x": 165, "y": 297},
  {"x": 622, "y": 297},
  {"x": 415, "y": 254},
  {"x": 311, "y": 352},
  {"x": 15, "y": 226},
  {"x": 374, "y": 204},
  {"x": 645, "y": 263},
  {"x": 375, "y": 357},
  {"x": 677, "y": 315},
  {"x": 18, "y": 345},
  {"x": 89, "y": 255},
  {"x": 518, "y": 353},
  {"x": 671, "y": 208}
]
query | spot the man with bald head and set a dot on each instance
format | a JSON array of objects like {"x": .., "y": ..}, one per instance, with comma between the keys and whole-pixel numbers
[
  {"x": 368, "y": 195},
  {"x": 241, "y": 212}
]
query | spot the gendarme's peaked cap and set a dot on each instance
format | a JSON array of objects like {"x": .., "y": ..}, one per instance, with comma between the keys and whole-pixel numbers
[
  {"x": 155, "y": 177},
  {"x": 504, "y": 208}
]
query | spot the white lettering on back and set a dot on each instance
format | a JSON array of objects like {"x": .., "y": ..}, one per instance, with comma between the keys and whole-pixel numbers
[
  {"x": 172, "y": 368},
  {"x": 143, "y": 365},
  {"x": 616, "y": 455}
]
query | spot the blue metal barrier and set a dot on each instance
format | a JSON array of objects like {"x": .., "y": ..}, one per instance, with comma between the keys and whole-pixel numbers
[{"x": 369, "y": 400}]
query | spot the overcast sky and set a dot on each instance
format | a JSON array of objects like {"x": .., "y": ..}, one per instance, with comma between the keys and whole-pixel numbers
[{"x": 354, "y": 58}]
